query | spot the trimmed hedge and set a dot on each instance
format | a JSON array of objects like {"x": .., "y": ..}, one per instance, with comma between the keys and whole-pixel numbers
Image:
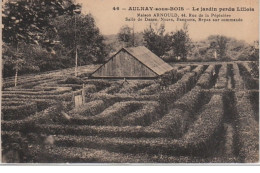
[
  {"x": 91, "y": 108},
  {"x": 105, "y": 131},
  {"x": 200, "y": 139},
  {"x": 110, "y": 116},
  {"x": 149, "y": 112},
  {"x": 239, "y": 84},
  {"x": 190, "y": 100},
  {"x": 205, "y": 80},
  {"x": 18, "y": 112},
  {"x": 28, "y": 122},
  {"x": 247, "y": 130},
  {"x": 150, "y": 90},
  {"x": 132, "y": 86},
  {"x": 222, "y": 77},
  {"x": 174, "y": 124},
  {"x": 54, "y": 154}
]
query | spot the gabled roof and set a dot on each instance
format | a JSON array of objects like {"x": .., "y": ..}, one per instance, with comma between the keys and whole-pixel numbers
[{"x": 149, "y": 59}]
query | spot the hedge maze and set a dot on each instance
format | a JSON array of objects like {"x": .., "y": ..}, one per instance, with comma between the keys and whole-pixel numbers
[{"x": 199, "y": 113}]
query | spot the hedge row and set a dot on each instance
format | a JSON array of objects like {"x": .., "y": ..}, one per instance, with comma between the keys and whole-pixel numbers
[
  {"x": 110, "y": 116},
  {"x": 222, "y": 77},
  {"x": 120, "y": 97},
  {"x": 150, "y": 90},
  {"x": 148, "y": 113},
  {"x": 18, "y": 112},
  {"x": 54, "y": 154},
  {"x": 208, "y": 127},
  {"x": 182, "y": 71},
  {"x": 28, "y": 122},
  {"x": 210, "y": 69},
  {"x": 90, "y": 108},
  {"x": 65, "y": 96},
  {"x": 252, "y": 69},
  {"x": 104, "y": 131},
  {"x": 237, "y": 78},
  {"x": 247, "y": 130},
  {"x": 100, "y": 84},
  {"x": 25, "y": 80},
  {"x": 200, "y": 139},
  {"x": 175, "y": 91},
  {"x": 41, "y": 103},
  {"x": 205, "y": 80},
  {"x": 59, "y": 90},
  {"x": 250, "y": 82},
  {"x": 174, "y": 124},
  {"x": 190, "y": 100},
  {"x": 198, "y": 70},
  {"x": 132, "y": 86},
  {"x": 114, "y": 88},
  {"x": 254, "y": 66}
]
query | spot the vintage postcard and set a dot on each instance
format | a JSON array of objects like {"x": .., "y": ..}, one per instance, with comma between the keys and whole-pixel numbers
[{"x": 130, "y": 81}]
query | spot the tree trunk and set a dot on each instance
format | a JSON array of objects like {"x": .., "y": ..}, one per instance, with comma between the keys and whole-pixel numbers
[{"x": 15, "y": 77}]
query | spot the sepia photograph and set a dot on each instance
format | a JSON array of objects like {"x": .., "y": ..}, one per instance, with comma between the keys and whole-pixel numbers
[{"x": 130, "y": 81}]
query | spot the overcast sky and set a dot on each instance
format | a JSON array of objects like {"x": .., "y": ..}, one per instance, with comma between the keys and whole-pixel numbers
[{"x": 110, "y": 21}]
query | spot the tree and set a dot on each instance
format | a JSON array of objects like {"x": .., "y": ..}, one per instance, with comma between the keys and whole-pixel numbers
[
  {"x": 219, "y": 43},
  {"x": 181, "y": 43},
  {"x": 29, "y": 22},
  {"x": 156, "y": 40},
  {"x": 81, "y": 32},
  {"x": 126, "y": 35}
]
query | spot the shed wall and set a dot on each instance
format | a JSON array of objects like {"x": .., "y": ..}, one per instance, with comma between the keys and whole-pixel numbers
[{"x": 124, "y": 65}]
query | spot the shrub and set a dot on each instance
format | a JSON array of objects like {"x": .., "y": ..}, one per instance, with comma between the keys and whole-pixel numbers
[
  {"x": 148, "y": 113},
  {"x": 205, "y": 80},
  {"x": 73, "y": 80},
  {"x": 210, "y": 69},
  {"x": 173, "y": 124},
  {"x": 110, "y": 116},
  {"x": 91, "y": 108},
  {"x": 18, "y": 112},
  {"x": 237, "y": 78},
  {"x": 151, "y": 89},
  {"x": 222, "y": 77},
  {"x": 248, "y": 131},
  {"x": 105, "y": 131},
  {"x": 190, "y": 100},
  {"x": 133, "y": 86}
]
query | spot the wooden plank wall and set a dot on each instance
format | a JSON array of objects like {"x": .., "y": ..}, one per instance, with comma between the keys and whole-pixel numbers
[{"x": 124, "y": 65}]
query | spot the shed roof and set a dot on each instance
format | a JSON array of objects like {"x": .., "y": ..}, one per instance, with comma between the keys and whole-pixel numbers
[{"x": 149, "y": 59}]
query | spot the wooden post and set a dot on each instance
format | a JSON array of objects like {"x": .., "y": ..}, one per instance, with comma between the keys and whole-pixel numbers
[{"x": 83, "y": 94}]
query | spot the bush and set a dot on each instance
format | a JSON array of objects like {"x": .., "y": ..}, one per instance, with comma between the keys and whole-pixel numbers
[
  {"x": 210, "y": 69},
  {"x": 110, "y": 116},
  {"x": 237, "y": 78},
  {"x": 91, "y": 108},
  {"x": 205, "y": 80},
  {"x": 190, "y": 100},
  {"x": 18, "y": 112},
  {"x": 248, "y": 131},
  {"x": 149, "y": 112},
  {"x": 73, "y": 80},
  {"x": 222, "y": 77},
  {"x": 150, "y": 90},
  {"x": 105, "y": 131},
  {"x": 173, "y": 124},
  {"x": 204, "y": 133}
]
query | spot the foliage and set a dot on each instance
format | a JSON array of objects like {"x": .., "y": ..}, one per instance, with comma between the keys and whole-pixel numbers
[
  {"x": 80, "y": 31},
  {"x": 125, "y": 35},
  {"x": 156, "y": 40},
  {"x": 180, "y": 43}
]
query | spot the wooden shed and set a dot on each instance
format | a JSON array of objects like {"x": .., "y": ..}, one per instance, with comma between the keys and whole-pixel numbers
[{"x": 133, "y": 62}]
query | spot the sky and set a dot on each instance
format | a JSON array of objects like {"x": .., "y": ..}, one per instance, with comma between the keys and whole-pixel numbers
[{"x": 110, "y": 21}]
